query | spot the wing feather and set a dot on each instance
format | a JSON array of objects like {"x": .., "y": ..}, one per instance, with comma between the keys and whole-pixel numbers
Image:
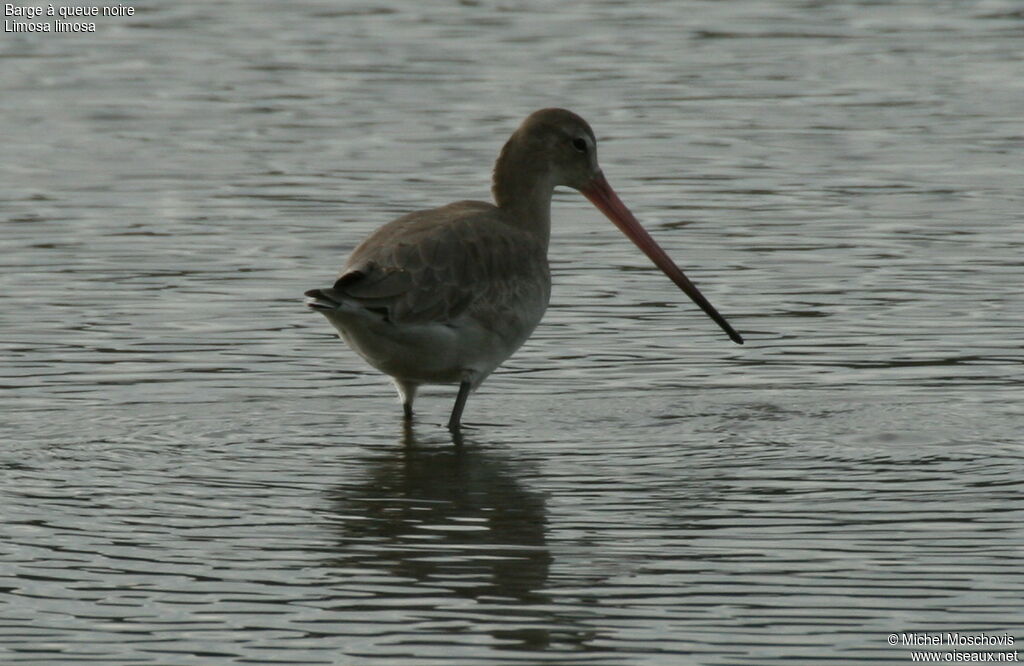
[{"x": 437, "y": 265}]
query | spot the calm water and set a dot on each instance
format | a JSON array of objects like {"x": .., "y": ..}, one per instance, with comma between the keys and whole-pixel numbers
[{"x": 194, "y": 471}]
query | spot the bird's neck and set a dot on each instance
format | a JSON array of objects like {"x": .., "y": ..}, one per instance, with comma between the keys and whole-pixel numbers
[{"x": 522, "y": 188}]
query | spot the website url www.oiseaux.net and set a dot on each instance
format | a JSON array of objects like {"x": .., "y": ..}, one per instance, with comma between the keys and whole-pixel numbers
[{"x": 950, "y": 656}]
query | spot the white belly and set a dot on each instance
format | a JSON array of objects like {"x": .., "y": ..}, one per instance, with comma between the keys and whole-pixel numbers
[{"x": 464, "y": 349}]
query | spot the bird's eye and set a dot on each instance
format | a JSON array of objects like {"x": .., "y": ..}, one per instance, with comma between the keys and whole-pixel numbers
[{"x": 579, "y": 144}]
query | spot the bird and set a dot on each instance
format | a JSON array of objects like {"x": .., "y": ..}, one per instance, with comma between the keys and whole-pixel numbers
[{"x": 446, "y": 295}]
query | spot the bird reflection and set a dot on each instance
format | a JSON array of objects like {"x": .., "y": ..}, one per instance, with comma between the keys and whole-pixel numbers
[{"x": 448, "y": 516}]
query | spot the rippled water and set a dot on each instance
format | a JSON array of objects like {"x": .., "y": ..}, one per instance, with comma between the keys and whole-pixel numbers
[{"x": 195, "y": 472}]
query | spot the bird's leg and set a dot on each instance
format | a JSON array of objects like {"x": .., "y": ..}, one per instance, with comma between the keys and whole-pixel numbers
[
  {"x": 455, "y": 422},
  {"x": 407, "y": 392}
]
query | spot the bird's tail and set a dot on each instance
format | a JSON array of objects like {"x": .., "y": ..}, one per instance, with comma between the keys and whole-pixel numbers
[
  {"x": 323, "y": 299},
  {"x": 333, "y": 298}
]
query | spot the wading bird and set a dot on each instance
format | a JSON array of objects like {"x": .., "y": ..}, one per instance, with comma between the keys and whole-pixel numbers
[{"x": 446, "y": 295}]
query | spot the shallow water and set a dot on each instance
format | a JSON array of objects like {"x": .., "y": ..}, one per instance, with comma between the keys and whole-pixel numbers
[{"x": 195, "y": 472}]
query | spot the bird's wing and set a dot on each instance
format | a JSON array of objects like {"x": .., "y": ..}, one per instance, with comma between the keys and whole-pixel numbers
[{"x": 435, "y": 265}]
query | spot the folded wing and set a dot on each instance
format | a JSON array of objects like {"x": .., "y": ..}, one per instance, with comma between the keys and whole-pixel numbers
[{"x": 438, "y": 265}]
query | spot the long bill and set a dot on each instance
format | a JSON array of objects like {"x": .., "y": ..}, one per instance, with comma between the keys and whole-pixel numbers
[{"x": 604, "y": 198}]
